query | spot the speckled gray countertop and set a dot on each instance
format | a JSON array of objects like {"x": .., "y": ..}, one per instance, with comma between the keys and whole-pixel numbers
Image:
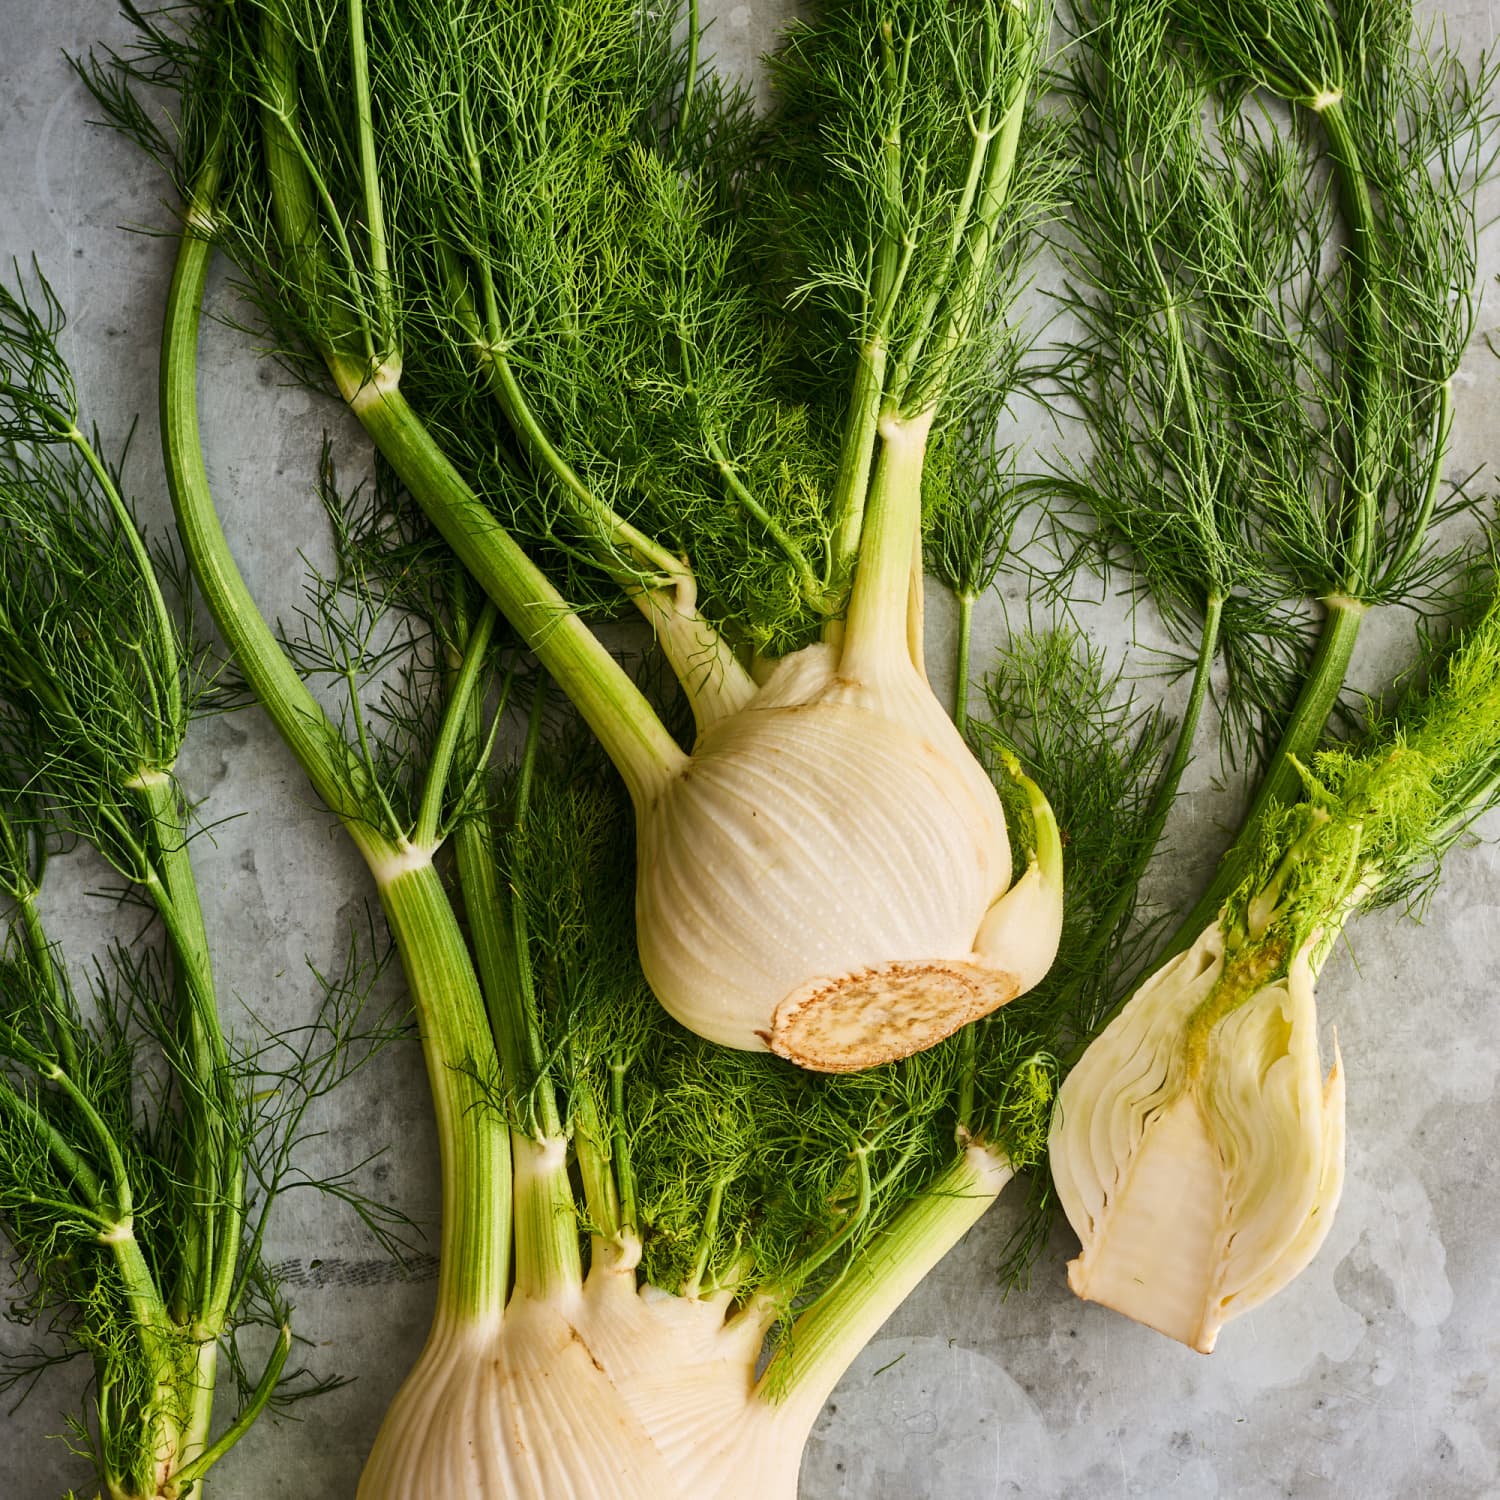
[{"x": 1373, "y": 1376}]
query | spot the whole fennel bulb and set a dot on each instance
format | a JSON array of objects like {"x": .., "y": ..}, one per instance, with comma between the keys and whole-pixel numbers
[{"x": 829, "y": 874}]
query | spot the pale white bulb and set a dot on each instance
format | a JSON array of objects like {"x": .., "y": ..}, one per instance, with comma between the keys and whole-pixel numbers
[
  {"x": 824, "y": 876},
  {"x": 1200, "y": 1179}
]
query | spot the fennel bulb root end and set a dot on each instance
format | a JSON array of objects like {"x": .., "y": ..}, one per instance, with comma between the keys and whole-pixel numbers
[{"x": 887, "y": 1012}]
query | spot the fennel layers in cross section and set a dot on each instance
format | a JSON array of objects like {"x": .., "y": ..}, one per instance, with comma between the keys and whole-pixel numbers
[
  {"x": 531, "y": 248},
  {"x": 138, "y": 1165},
  {"x": 1267, "y": 378},
  {"x": 627, "y": 1209},
  {"x": 1196, "y": 1147}
]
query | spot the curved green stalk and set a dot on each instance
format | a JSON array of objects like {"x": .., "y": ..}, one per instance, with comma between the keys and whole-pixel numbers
[
  {"x": 1359, "y": 216},
  {"x": 260, "y": 1397},
  {"x": 867, "y": 398},
  {"x": 63, "y": 1153},
  {"x": 369, "y": 179},
  {"x": 824, "y": 1340},
  {"x": 608, "y": 526},
  {"x": 1282, "y": 781},
  {"x": 875, "y": 628},
  {"x": 545, "y": 1215},
  {"x": 690, "y": 68},
  {"x": 601, "y": 1194},
  {"x": 46, "y": 964},
  {"x": 1106, "y": 928},
  {"x": 1442, "y": 433},
  {"x": 965, "y": 633},
  {"x": 212, "y": 1239},
  {"x": 489, "y": 931},
  {"x": 809, "y": 584},
  {"x": 473, "y": 1141},
  {"x": 624, "y": 1171},
  {"x": 336, "y": 774},
  {"x": 456, "y": 724}
]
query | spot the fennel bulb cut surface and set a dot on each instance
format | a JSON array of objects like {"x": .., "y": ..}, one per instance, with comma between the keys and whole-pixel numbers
[
  {"x": 1201, "y": 1171},
  {"x": 825, "y": 875}
]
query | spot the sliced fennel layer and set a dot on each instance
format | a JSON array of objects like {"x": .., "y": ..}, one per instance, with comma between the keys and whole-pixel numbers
[{"x": 1200, "y": 1174}]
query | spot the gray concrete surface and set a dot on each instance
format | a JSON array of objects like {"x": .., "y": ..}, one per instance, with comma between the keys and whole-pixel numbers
[{"x": 1374, "y": 1376}]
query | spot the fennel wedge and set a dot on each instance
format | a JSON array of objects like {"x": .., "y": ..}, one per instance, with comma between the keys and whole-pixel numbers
[
  {"x": 1287, "y": 412},
  {"x": 1196, "y": 1148}
]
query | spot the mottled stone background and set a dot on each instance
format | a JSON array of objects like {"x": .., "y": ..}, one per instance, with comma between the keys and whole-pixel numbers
[{"x": 1374, "y": 1376}]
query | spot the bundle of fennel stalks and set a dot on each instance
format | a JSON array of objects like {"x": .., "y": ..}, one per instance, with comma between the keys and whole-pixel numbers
[{"x": 739, "y": 1192}]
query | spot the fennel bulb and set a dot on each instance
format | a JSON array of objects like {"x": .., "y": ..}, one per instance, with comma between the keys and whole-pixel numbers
[
  {"x": 605, "y": 1172},
  {"x": 828, "y": 874},
  {"x": 611, "y": 1389},
  {"x": 613, "y": 347},
  {"x": 1200, "y": 1166},
  {"x": 609, "y": 1393}
]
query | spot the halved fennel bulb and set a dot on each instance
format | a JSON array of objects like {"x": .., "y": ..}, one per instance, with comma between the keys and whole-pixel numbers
[
  {"x": 1200, "y": 1167},
  {"x": 827, "y": 876}
]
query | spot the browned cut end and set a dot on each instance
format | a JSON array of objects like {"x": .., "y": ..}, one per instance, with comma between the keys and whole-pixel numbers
[{"x": 885, "y": 1012}]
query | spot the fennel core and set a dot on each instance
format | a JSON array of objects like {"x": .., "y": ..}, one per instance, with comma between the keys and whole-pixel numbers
[
  {"x": 1213, "y": 1063},
  {"x": 547, "y": 305}
]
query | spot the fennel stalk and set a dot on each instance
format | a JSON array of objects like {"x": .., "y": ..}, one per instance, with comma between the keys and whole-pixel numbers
[{"x": 138, "y": 1163}]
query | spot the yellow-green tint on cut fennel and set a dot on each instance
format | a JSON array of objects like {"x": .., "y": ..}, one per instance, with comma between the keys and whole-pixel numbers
[
  {"x": 823, "y": 876},
  {"x": 1199, "y": 1183}
]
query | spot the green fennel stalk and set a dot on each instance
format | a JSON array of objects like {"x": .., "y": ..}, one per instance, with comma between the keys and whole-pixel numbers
[
  {"x": 137, "y": 1165},
  {"x": 1237, "y": 370}
]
